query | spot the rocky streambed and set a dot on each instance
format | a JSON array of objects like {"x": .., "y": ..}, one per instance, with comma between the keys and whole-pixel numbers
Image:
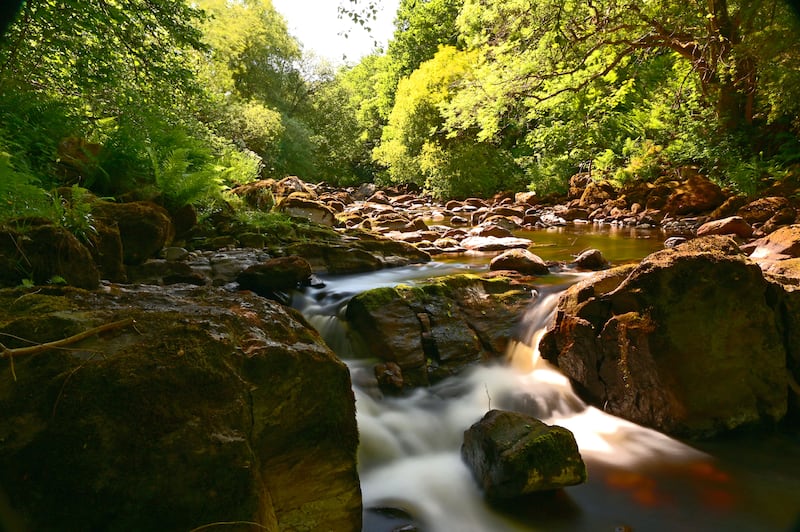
[{"x": 208, "y": 400}]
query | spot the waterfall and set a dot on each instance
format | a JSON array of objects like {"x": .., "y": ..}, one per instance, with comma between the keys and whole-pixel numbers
[
  {"x": 410, "y": 446},
  {"x": 410, "y": 462}
]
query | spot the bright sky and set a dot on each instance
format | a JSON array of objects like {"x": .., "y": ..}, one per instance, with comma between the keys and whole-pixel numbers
[{"x": 316, "y": 25}]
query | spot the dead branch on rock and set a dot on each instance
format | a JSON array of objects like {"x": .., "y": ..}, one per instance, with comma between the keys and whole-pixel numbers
[{"x": 10, "y": 353}]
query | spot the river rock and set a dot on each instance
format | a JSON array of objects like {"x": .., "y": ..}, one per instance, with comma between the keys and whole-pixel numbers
[
  {"x": 591, "y": 259},
  {"x": 595, "y": 193},
  {"x": 436, "y": 329},
  {"x": 512, "y": 454},
  {"x": 493, "y": 243},
  {"x": 783, "y": 243},
  {"x": 785, "y": 216},
  {"x": 280, "y": 274},
  {"x": 697, "y": 194},
  {"x": 686, "y": 342},
  {"x": 144, "y": 227},
  {"x": 732, "y": 225},
  {"x": 258, "y": 194},
  {"x": 45, "y": 254},
  {"x": 312, "y": 210},
  {"x": 211, "y": 407},
  {"x": 762, "y": 209},
  {"x": 520, "y": 260}
]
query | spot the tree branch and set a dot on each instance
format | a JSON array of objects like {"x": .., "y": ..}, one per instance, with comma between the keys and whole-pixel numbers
[{"x": 6, "y": 352}]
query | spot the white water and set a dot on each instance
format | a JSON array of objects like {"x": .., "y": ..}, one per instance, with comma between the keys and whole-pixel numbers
[
  {"x": 409, "y": 456},
  {"x": 410, "y": 447}
]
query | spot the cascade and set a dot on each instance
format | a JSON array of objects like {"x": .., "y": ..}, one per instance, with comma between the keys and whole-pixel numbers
[{"x": 409, "y": 457}]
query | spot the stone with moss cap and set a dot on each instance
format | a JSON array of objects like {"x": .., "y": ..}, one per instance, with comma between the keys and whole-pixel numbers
[{"x": 512, "y": 454}]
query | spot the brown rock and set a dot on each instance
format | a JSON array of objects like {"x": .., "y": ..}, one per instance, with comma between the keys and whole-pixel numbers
[
  {"x": 784, "y": 243},
  {"x": 520, "y": 260},
  {"x": 309, "y": 209},
  {"x": 144, "y": 227},
  {"x": 45, "y": 254},
  {"x": 512, "y": 454},
  {"x": 733, "y": 225},
  {"x": 214, "y": 407},
  {"x": 686, "y": 343},
  {"x": 275, "y": 275},
  {"x": 761, "y": 210},
  {"x": 695, "y": 195}
]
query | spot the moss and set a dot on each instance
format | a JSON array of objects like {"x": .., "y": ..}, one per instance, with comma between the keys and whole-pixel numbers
[{"x": 378, "y": 297}]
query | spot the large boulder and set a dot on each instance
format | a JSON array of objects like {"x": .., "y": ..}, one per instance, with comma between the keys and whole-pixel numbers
[
  {"x": 144, "y": 227},
  {"x": 686, "y": 342},
  {"x": 512, "y": 454},
  {"x": 762, "y": 209},
  {"x": 209, "y": 407},
  {"x": 695, "y": 195},
  {"x": 438, "y": 328},
  {"x": 44, "y": 254}
]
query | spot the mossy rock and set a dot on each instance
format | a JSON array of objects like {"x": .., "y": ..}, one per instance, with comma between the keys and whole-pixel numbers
[
  {"x": 437, "y": 328},
  {"x": 212, "y": 407},
  {"x": 687, "y": 342},
  {"x": 512, "y": 454}
]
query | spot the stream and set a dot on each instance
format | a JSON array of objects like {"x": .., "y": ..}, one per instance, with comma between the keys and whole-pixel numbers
[{"x": 639, "y": 479}]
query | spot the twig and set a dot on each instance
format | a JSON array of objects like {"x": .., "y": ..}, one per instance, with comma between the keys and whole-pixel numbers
[
  {"x": 5, "y": 352},
  {"x": 228, "y": 523}
]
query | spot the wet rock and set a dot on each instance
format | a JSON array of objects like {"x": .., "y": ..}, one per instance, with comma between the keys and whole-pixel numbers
[
  {"x": 687, "y": 343},
  {"x": 733, "y": 225},
  {"x": 45, "y": 254},
  {"x": 144, "y": 227},
  {"x": 494, "y": 230},
  {"x": 214, "y": 407},
  {"x": 591, "y": 259},
  {"x": 390, "y": 377},
  {"x": 520, "y": 260},
  {"x": 280, "y": 274},
  {"x": 673, "y": 241},
  {"x": 161, "y": 271},
  {"x": 336, "y": 258},
  {"x": 436, "y": 329},
  {"x": 512, "y": 454}
]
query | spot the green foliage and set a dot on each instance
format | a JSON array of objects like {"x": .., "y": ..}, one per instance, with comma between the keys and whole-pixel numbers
[
  {"x": 73, "y": 212},
  {"x": 185, "y": 176},
  {"x": 20, "y": 195}
]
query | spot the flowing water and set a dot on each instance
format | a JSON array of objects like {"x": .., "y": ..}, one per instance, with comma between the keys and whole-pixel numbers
[{"x": 409, "y": 459}]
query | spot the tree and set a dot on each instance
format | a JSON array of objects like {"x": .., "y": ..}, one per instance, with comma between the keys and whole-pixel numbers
[
  {"x": 544, "y": 48},
  {"x": 416, "y": 147},
  {"x": 118, "y": 51}
]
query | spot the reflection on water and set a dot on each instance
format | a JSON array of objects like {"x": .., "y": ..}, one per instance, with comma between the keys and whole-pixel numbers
[{"x": 639, "y": 479}]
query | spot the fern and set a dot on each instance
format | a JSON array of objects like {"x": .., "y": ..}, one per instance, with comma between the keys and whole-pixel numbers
[{"x": 183, "y": 178}]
